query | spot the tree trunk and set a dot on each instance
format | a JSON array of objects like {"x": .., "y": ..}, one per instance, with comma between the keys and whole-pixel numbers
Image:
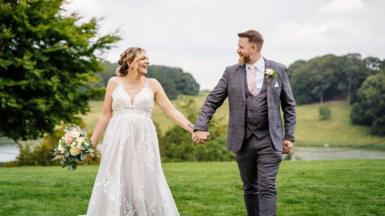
[{"x": 349, "y": 95}]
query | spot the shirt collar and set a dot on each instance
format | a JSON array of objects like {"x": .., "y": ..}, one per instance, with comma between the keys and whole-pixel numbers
[{"x": 259, "y": 65}]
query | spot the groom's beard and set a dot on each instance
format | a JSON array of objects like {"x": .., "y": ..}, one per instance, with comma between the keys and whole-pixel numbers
[{"x": 244, "y": 59}]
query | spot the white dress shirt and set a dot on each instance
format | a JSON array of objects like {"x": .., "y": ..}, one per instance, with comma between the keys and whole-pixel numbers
[{"x": 259, "y": 69}]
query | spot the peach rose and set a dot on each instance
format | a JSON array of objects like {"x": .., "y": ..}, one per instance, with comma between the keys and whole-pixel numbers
[{"x": 75, "y": 151}]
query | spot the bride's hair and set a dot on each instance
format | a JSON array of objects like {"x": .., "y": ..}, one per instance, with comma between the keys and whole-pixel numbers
[{"x": 126, "y": 59}]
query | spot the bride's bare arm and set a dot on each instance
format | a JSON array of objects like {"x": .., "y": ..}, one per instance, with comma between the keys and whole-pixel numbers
[
  {"x": 168, "y": 108},
  {"x": 106, "y": 114}
]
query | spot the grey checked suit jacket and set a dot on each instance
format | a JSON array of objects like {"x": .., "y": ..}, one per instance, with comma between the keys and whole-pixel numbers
[{"x": 232, "y": 85}]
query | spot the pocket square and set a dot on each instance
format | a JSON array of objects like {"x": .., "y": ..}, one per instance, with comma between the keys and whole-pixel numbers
[{"x": 276, "y": 85}]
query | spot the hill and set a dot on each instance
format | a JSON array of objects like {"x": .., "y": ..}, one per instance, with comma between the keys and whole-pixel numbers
[{"x": 310, "y": 131}]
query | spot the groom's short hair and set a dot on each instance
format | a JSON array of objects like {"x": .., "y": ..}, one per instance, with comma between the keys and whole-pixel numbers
[{"x": 253, "y": 36}]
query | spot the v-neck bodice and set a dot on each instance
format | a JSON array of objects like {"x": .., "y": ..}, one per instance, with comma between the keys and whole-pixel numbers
[{"x": 140, "y": 103}]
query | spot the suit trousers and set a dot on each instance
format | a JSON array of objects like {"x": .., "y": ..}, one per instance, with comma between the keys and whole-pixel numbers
[{"x": 258, "y": 164}]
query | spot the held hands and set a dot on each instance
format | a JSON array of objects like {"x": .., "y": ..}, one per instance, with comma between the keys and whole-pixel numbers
[
  {"x": 287, "y": 146},
  {"x": 200, "y": 137}
]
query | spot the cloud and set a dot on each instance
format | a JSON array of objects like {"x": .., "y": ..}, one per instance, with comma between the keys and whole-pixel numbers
[
  {"x": 339, "y": 6},
  {"x": 201, "y": 36}
]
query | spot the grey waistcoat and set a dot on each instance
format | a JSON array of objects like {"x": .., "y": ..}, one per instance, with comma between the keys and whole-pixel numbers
[{"x": 257, "y": 121}]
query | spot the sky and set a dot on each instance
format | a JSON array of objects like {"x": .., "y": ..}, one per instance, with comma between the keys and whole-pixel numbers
[{"x": 200, "y": 36}]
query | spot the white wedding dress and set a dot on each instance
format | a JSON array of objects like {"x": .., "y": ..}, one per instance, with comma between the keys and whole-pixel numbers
[{"x": 130, "y": 179}]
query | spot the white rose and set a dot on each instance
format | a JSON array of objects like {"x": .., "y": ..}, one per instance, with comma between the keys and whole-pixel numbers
[
  {"x": 269, "y": 71},
  {"x": 60, "y": 148},
  {"x": 80, "y": 140}
]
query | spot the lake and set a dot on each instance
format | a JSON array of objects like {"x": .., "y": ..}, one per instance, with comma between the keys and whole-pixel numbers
[{"x": 10, "y": 152}]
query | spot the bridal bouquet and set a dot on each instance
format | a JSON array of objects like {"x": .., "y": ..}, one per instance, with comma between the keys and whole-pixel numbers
[{"x": 73, "y": 147}]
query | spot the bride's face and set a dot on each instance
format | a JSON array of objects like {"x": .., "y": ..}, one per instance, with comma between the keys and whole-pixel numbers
[{"x": 141, "y": 63}]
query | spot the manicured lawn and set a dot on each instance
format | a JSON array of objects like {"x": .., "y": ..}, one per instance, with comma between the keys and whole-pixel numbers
[{"x": 208, "y": 189}]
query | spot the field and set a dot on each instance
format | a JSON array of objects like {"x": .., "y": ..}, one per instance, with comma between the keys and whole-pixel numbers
[{"x": 310, "y": 131}]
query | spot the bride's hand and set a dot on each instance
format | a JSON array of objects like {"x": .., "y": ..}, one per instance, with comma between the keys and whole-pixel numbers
[{"x": 93, "y": 143}]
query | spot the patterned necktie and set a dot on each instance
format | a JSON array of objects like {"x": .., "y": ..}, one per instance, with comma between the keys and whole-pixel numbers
[{"x": 252, "y": 81}]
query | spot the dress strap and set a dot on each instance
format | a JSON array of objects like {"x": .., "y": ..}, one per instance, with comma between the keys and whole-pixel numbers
[
  {"x": 145, "y": 85},
  {"x": 119, "y": 81}
]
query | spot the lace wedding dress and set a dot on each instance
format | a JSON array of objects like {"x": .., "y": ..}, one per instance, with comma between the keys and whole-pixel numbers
[{"x": 130, "y": 179}]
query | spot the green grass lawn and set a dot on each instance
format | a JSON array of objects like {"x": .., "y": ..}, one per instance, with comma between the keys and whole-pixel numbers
[
  {"x": 336, "y": 131},
  {"x": 208, "y": 189}
]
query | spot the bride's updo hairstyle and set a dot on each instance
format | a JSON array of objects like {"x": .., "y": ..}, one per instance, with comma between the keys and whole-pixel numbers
[{"x": 126, "y": 59}]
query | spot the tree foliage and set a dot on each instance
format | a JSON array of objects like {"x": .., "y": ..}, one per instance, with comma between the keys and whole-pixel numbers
[
  {"x": 330, "y": 77},
  {"x": 48, "y": 63},
  {"x": 324, "y": 112},
  {"x": 175, "y": 81},
  {"x": 369, "y": 109}
]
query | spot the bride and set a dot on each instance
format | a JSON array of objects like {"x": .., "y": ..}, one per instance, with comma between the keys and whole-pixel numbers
[{"x": 130, "y": 179}]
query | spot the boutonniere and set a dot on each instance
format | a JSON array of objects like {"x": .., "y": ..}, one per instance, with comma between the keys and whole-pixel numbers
[{"x": 270, "y": 73}]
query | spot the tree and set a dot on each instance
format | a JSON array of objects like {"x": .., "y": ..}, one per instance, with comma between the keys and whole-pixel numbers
[
  {"x": 324, "y": 112},
  {"x": 48, "y": 63},
  {"x": 314, "y": 80},
  {"x": 174, "y": 80},
  {"x": 372, "y": 63},
  {"x": 370, "y": 106},
  {"x": 354, "y": 71},
  {"x": 330, "y": 77}
]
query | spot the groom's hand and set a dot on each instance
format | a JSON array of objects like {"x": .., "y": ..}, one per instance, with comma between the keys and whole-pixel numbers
[
  {"x": 200, "y": 136},
  {"x": 287, "y": 146}
]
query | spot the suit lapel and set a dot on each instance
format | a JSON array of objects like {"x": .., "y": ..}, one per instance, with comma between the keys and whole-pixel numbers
[
  {"x": 268, "y": 83},
  {"x": 242, "y": 78}
]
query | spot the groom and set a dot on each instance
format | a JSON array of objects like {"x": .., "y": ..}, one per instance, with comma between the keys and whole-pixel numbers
[{"x": 256, "y": 88}]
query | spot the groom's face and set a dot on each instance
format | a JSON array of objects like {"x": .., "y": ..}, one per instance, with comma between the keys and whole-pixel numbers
[{"x": 245, "y": 50}]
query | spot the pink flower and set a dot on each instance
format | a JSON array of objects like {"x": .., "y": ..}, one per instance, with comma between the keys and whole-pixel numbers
[
  {"x": 74, "y": 133},
  {"x": 68, "y": 138}
]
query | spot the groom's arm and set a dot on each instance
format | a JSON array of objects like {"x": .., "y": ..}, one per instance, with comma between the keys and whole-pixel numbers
[
  {"x": 288, "y": 107},
  {"x": 214, "y": 100}
]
